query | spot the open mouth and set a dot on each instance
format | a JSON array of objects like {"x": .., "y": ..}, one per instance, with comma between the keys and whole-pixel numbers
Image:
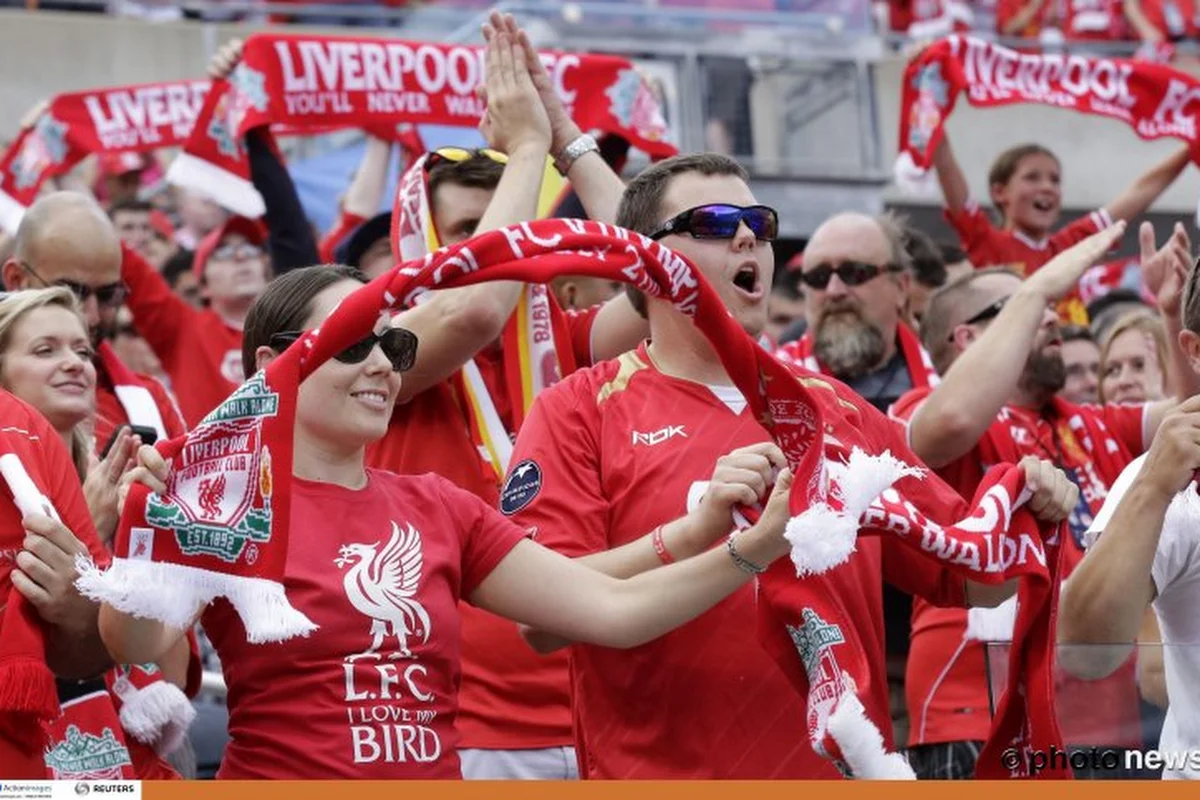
[
  {"x": 746, "y": 278},
  {"x": 1042, "y": 204}
]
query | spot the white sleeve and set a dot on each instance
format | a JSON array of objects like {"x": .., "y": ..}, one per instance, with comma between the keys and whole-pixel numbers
[
  {"x": 1176, "y": 553},
  {"x": 1115, "y": 493}
]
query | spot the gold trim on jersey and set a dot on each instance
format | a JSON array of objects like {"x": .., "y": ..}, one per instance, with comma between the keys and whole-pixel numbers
[{"x": 630, "y": 363}]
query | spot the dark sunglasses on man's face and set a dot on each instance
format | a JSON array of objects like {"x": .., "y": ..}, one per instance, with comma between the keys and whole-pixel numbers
[
  {"x": 989, "y": 312},
  {"x": 851, "y": 273},
  {"x": 719, "y": 221},
  {"x": 110, "y": 295},
  {"x": 398, "y": 344}
]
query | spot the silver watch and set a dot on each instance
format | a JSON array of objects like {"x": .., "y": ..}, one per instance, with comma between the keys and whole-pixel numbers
[{"x": 584, "y": 143}]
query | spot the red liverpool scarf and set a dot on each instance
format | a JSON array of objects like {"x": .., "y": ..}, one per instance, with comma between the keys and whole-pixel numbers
[
  {"x": 116, "y": 119},
  {"x": 920, "y": 365},
  {"x": 221, "y": 528},
  {"x": 307, "y": 83},
  {"x": 1153, "y": 99}
]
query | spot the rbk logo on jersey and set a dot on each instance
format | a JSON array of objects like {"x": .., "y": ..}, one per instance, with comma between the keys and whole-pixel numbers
[{"x": 659, "y": 436}]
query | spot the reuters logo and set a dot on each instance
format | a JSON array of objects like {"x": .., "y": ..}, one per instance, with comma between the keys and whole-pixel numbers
[{"x": 82, "y": 789}]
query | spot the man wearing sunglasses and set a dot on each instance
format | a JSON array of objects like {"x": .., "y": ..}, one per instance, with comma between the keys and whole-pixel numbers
[
  {"x": 615, "y": 466},
  {"x": 996, "y": 341},
  {"x": 857, "y": 275},
  {"x": 514, "y": 706},
  {"x": 65, "y": 239}
]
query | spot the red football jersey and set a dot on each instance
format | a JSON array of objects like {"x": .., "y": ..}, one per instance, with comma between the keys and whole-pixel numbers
[
  {"x": 373, "y": 693},
  {"x": 1175, "y": 19},
  {"x": 946, "y": 679},
  {"x": 989, "y": 246},
  {"x": 511, "y": 698},
  {"x": 48, "y": 463},
  {"x": 199, "y": 350},
  {"x": 604, "y": 458},
  {"x": 110, "y": 413}
]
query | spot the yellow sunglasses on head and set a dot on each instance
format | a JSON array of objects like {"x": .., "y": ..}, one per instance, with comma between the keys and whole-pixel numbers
[{"x": 458, "y": 155}]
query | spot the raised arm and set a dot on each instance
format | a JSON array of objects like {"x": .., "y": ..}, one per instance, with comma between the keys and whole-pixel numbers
[
  {"x": 982, "y": 379},
  {"x": 599, "y": 188},
  {"x": 159, "y": 314},
  {"x": 1142, "y": 193},
  {"x": 1145, "y": 30},
  {"x": 455, "y": 324},
  {"x": 364, "y": 195},
  {"x": 950, "y": 177},
  {"x": 1016, "y": 24}
]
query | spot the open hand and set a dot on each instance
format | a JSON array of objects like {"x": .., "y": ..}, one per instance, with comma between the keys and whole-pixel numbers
[
  {"x": 101, "y": 489},
  {"x": 515, "y": 118},
  {"x": 1060, "y": 274},
  {"x": 1165, "y": 270}
]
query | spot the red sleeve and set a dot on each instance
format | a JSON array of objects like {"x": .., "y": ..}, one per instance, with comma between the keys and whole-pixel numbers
[
  {"x": 579, "y": 324},
  {"x": 1127, "y": 422},
  {"x": 345, "y": 225},
  {"x": 553, "y": 487},
  {"x": 1080, "y": 229},
  {"x": 159, "y": 314},
  {"x": 487, "y": 536},
  {"x": 975, "y": 232},
  {"x": 921, "y": 576}
]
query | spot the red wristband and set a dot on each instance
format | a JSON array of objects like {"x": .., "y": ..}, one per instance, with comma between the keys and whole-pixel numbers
[{"x": 660, "y": 546}]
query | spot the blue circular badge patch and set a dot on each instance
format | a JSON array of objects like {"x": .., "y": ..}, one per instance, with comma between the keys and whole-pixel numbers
[{"x": 523, "y": 484}]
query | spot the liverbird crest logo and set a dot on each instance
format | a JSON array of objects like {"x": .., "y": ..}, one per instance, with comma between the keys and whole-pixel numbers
[{"x": 382, "y": 584}]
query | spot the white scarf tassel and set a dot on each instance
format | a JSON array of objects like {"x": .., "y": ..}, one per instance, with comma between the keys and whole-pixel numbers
[
  {"x": 822, "y": 538},
  {"x": 861, "y": 743},
  {"x": 158, "y": 715}
]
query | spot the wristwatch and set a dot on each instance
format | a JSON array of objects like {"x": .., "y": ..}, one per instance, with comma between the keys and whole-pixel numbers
[{"x": 584, "y": 143}]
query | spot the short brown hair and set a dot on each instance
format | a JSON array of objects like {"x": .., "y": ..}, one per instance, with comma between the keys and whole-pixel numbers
[
  {"x": 640, "y": 209},
  {"x": 945, "y": 312},
  {"x": 286, "y": 304},
  {"x": 476, "y": 172},
  {"x": 1006, "y": 164}
]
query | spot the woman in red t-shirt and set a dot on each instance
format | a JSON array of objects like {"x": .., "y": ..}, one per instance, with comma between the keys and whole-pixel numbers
[{"x": 380, "y": 561}]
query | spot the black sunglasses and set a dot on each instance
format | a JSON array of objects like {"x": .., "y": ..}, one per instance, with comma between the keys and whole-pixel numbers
[
  {"x": 988, "y": 313},
  {"x": 851, "y": 273},
  {"x": 110, "y": 295},
  {"x": 398, "y": 344},
  {"x": 720, "y": 221}
]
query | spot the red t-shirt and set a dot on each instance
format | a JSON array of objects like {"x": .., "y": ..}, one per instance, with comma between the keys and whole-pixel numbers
[
  {"x": 1094, "y": 20},
  {"x": 373, "y": 693},
  {"x": 946, "y": 679},
  {"x": 511, "y": 698},
  {"x": 989, "y": 246},
  {"x": 199, "y": 350},
  {"x": 333, "y": 237},
  {"x": 110, "y": 413},
  {"x": 604, "y": 458},
  {"x": 49, "y": 465}
]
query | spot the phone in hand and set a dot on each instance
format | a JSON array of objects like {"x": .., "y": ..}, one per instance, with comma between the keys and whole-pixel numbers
[{"x": 147, "y": 435}]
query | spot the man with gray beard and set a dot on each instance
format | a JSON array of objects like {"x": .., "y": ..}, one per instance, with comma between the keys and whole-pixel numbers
[
  {"x": 857, "y": 275},
  {"x": 995, "y": 340}
]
